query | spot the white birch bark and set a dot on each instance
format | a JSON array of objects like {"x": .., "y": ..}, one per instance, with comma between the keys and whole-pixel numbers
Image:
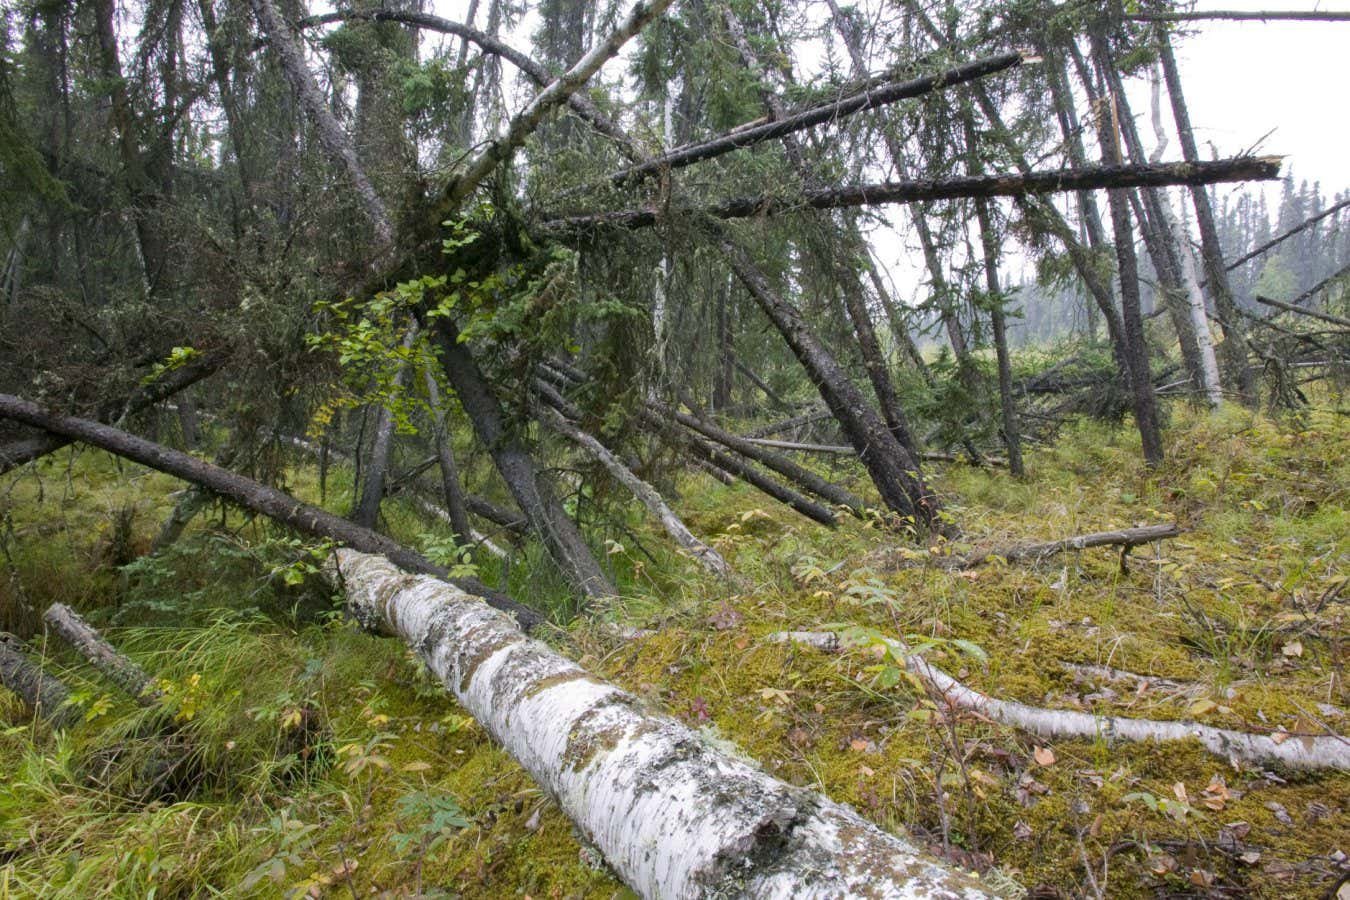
[
  {"x": 644, "y": 492},
  {"x": 1307, "y": 752},
  {"x": 674, "y": 816},
  {"x": 1195, "y": 297}
]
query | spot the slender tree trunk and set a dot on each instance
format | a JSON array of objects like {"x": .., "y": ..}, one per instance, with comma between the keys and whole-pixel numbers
[
  {"x": 453, "y": 494},
  {"x": 1148, "y": 203},
  {"x": 644, "y": 492},
  {"x": 527, "y": 484},
  {"x": 1195, "y": 298},
  {"x": 1233, "y": 349},
  {"x": 335, "y": 142},
  {"x": 894, "y": 472},
  {"x": 1141, "y": 383},
  {"x": 989, "y": 245},
  {"x": 367, "y": 511}
]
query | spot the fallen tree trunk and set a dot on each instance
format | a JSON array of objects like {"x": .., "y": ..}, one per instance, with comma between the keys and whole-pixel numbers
[
  {"x": 1305, "y": 751},
  {"x": 114, "y": 665},
  {"x": 250, "y": 494},
  {"x": 843, "y": 450},
  {"x": 1303, "y": 311},
  {"x": 1242, "y": 15},
  {"x": 1125, "y": 538},
  {"x": 1243, "y": 168},
  {"x": 46, "y": 695},
  {"x": 828, "y": 112},
  {"x": 168, "y": 384},
  {"x": 671, "y": 814},
  {"x": 709, "y": 558}
]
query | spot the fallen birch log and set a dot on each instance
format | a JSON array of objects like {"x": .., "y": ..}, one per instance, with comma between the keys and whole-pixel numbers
[
  {"x": 250, "y": 494},
  {"x": 674, "y": 816},
  {"x": 114, "y": 665},
  {"x": 1125, "y": 538},
  {"x": 46, "y": 695},
  {"x": 1296, "y": 751}
]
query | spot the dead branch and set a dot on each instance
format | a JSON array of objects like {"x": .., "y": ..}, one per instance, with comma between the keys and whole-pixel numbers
[
  {"x": 528, "y": 120},
  {"x": 536, "y": 73},
  {"x": 1235, "y": 15},
  {"x": 1303, "y": 311},
  {"x": 1125, "y": 538},
  {"x": 1307, "y": 752},
  {"x": 1280, "y": 239},
  {"x": 880, "y": 95}
]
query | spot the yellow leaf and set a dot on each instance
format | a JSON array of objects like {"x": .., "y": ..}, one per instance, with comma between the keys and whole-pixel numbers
[
  {"x": 1202, "y": 706},
  {"x": 418, "y": 766}
]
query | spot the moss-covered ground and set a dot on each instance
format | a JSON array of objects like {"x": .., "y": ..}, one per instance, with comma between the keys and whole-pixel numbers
[{"x": 295, "y": 756}]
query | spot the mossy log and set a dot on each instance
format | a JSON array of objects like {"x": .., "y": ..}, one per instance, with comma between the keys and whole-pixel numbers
[
  {"x": 673, "y": 816},
  {"x": 114, "y": 665},
  {"x": 46, "y": 695}
]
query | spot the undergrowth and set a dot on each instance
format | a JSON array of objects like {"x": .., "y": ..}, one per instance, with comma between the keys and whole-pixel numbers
[{"x": 293, "y": 755}]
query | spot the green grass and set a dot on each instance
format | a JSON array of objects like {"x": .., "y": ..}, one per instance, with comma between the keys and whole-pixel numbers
[{"x": 304, "y": 756}]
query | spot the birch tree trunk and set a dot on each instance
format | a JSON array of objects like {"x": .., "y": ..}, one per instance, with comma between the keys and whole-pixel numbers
[
  {"x": 1195, "y": 297},
  {"x": 1234, "y": 346},
  {"x": 672, "y": 815}
]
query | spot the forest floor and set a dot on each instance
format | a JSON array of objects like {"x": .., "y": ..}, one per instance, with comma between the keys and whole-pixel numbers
[{"x": 306, "y": 758}]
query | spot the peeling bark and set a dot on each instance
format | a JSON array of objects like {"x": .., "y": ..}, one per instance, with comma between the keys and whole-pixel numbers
[{"x": 672, "y": 815}]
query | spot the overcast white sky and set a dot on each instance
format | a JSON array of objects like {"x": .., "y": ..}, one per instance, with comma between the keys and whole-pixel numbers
[{"x": 1244, "y": 79}]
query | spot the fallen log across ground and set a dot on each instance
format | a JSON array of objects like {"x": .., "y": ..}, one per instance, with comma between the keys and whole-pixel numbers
[
  {"x": 114, "y": 665},
  {"x": 1296, "y": 751},
  {"x": 46, "y": 695},
  {"x": 250, "y": 494},
  {"x": 1125, "y": 538},
  {"x": 673, "y": 815}
]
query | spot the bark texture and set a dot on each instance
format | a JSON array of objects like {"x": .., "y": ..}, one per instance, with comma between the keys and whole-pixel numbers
[
  {"x": 46, "y": 695},
  {"x": 1022, "y": 184},
  {"x": 672, "y": 815},
  {"x": 644, "y": 492},
  {"x": 85, "y": 640}
]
